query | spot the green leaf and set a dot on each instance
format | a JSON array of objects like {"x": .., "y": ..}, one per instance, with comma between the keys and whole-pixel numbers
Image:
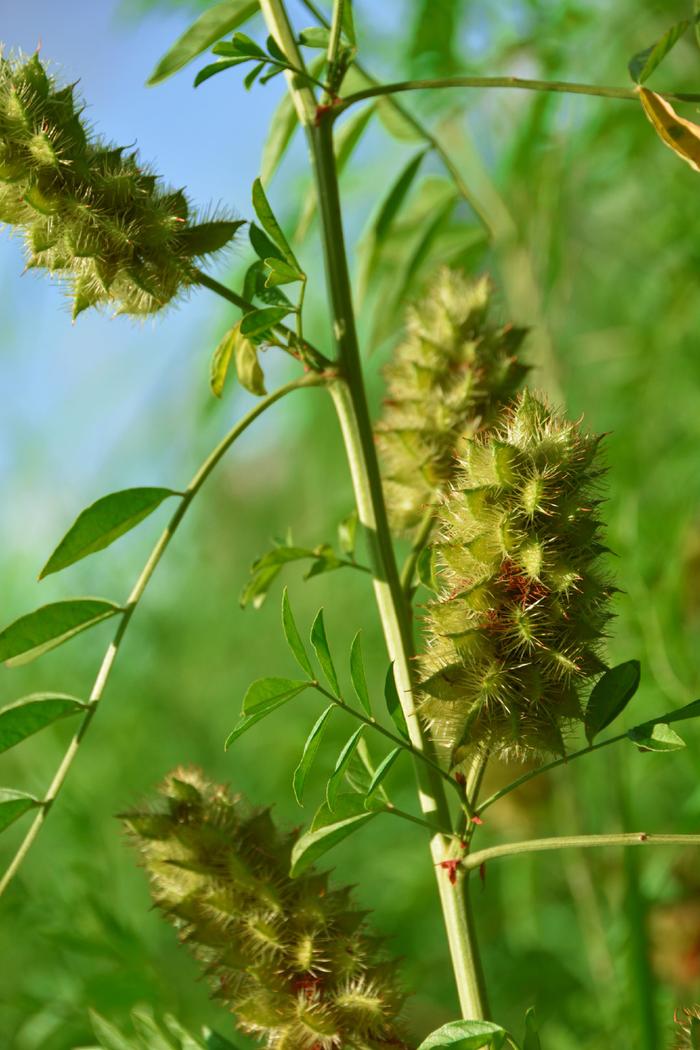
[
  {"x": 328, "y": 829},
  {"x": 34, "y": 634},
  {"x": 655, "y": 737},
  {"x": 396, "y": 123},
  {"x": 311, "y": 746},
  {"x": 386, "y": 214},
  {"x": 643, "y": 64},
  {"x": 104, "y": 522},
  {"x": 348, "y": 22},
  {"x": 610, "y": 696},
  {"x": 393, "y": 704},
  {"x": 221, "y": 361},
  {"x": 282, "y": 127},
  {"x": 251, "y": 77},
  {"x": 214, "y": 23},
  {"x": 315, "y": 36},
  {"x": 257, "y": 321},
  {"x": 270, "y": 225},
  {"x": 268, "y": 693},
  {"x": 347, "y": 534},
  {"x": 464, "y": 1035},
  {"x": 214, "y": 68},
  {"x": 383, "y": 770},
  {"x": 207, "y": 236},
  {"x": 250, "y": 374},
  {"x": 32, "y": 713},
  {"x": 281, "y": 273},
  {"x": 681, "y": 714},
  {"x": 248, "y": 721},
  {"x": 291, "y": 633},
  {"x": 13, "y": 805},
  {"x": 336, "y": 777},
  {"x": 532, "y": 1039},
  {"x": 263, "y": 247},
  {"x": 110, "y": 1037},
  {"x": 357, "y": 673},
  {"x": 323, "y": 653}
]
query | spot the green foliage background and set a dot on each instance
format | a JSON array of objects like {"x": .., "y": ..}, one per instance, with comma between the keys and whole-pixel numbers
[{"x": 597, "y": 248}]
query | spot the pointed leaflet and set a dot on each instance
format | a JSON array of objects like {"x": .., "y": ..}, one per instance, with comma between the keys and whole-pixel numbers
[
  {"x": 221, "y": 361},
  {"x": 110, "y": 1037},
  {"x": 104, "y": 522},
  {"x": 382, "y": 771},
  {"x": 207, "y": 236},
  {"x": 270, "y": 225},
  {"x": 336, "y": 778},
  {"x": 214, "y": 68},
  {"x": 643, "y": 64},
  {"x": 266, "y": 694},
  {"x": 245, "y": 355},
  {"x": 284, "y": 123},
  {"x": 248, "y": 721},
  {"x": 656, "y": 737},
  {"x": 256, "y": 322},
  {"x": 610, "y": 696},
  {"x": 13, "y": 805},
  {"x": 465, "y": 1035},
  {"x": 357, "y": 673},
  {"x": 32, "y": 713},
  {"x": 311, "y": 746},
  {"x": 328, "y": 829},
  {"x": 532, "y": 1039},
  {"x": 51, "y": 625},
  {"x": 291, "y": 633},
  {"x": 387, "y": 212},
  {"x": 393, "y": 704},
  {"x": 323, "y": 653},
  {"x": 216, "y": 22},
  {"x": 280, "y": 272}
]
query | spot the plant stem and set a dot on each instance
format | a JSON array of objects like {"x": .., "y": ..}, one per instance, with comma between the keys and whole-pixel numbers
[
  {"x": 312, "y": 379},
  {"x": 531, "y": 774},
  {"x": 638, "y": 838},
  {"x": 559, "y": 86},
  {"x": 419, "y": 756},
  {"x": 350, "y": 400},
  {"x": 391, "y": 808}
]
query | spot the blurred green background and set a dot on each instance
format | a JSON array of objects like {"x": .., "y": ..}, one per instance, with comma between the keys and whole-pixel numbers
[{"x": 595, "y": 244}]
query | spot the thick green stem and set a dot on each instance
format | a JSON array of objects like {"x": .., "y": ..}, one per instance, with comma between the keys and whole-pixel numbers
[
  {"x": 128, "y": 611},
  {"x": 558, "y": 86},
  {"x": 350, "y": 400}
]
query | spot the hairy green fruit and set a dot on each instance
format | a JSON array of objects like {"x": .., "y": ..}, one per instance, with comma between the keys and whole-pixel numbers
[
  {"x": 449, "y": 378},
  {"x": 90, "y": 212},
  {"x": 290, "y": 957},
  {"x": 514, "y": 636},
  {"x": 688, "y": 1024}
]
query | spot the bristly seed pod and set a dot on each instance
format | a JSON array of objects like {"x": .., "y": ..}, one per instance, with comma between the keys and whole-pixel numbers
[
  {"x": 291, "y": 958},
  {"x": 449, "y": 377},
  {"x": 90, "y": 212},
  {"x": 688, "y": 1025},
  {"x": 514, "y": 636}
]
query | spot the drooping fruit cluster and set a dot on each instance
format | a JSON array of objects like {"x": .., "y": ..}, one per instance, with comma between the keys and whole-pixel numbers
[
  {"x": 514, "y": 636},
  {"x": 290, "y": 957},
  {"x": 450, "y": 377},
  {"x": 90, "y": 212}
]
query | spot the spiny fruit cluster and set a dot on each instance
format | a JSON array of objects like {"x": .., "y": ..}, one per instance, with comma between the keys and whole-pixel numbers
[
  {"x": 450, "y": 377},
  {"x": 688, "y": 1021},
  {"x": 514, "y": 635},
  {"x": 290, "y": 957},
  {"x": 90, "y": 212}
]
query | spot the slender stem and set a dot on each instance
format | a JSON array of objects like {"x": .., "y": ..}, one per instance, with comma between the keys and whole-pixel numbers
[
  {"x": 391, "y": 808},
  {"x": 419, "y": 541},
  {"x": 350, "y": 399},
  {"x": 138, "y": 589},
  {"x": 532, "y": 773},
  {"x": 420, "y": 756},
  {"x": 638, "y": 838},
  {"x": 334, "y": 38},
  {"x": 314, "y": 356},
  {"x": 559, "y": 86}
]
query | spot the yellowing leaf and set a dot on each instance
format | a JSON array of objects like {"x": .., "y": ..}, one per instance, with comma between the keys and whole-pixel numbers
[{"x": 680, "y": 135}]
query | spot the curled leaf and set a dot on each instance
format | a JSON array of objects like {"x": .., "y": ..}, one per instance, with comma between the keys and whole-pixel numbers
[{"x": 679, "y": 134}]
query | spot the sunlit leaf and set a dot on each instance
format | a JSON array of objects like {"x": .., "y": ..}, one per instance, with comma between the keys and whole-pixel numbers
[
  {"x": 270, "y": 225},
  {"x": 656, "y": 737},
  {"x": 268, "y": 693},
  {"x": 49, "y": 626},
  {"x": 336, "y": 778},
  {"x": 294, "y": 640},
  {"x": 214, "y": 68},
  {"x": 643, "y": 64},
  {"x": 323, "y": 653},
  {"x": 357, "y": 673},
  {"x": 32, "y": 713},
  {"x": 610, "y": 696},
  {"x": 109, "y": 1036},
  {"x": 313, "y": 742},
  {"x": 328, "y": 829},
  {"x": 221, "y": 361},
  {"x": 280, "y": 272},
  {"x": 315, "y": 36},
  {"x": 13, "y": 805},
  {"x": 214, "y": 23},
  {"x": 393, "y": 703},
  {"x": 258, "y": 321},
  {"x": 532, "y": 1038},
  {"x": 679, "y": 134},
  {"x": 383, "y": 770},
  {"x": 245, "y": 354},
  {"x": 103, "y": 522},
  {"x": 464, "y": 1035}
]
